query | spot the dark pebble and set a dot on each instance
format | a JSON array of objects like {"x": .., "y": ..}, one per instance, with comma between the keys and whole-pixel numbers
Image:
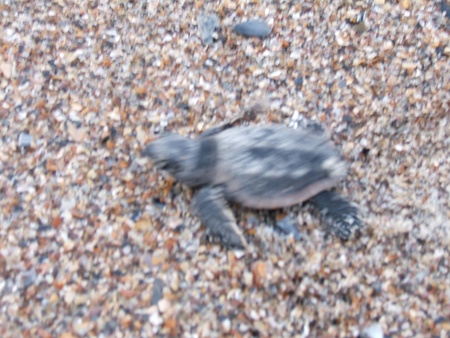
[
  {"x": 27, "y": 278},
  {"x": 136, "y": 215},
  {"x": 440, "y": 320},
  {"x": 365, "y": 151},
  {"x": 157, "y": 292},
  {"x": 110, "y": 326},
  {"x": 445, "y": 8},
  {"x": 377, "y": 287},
  {"x": 158, "y": 203},
  {"x": 347, "y": 118},
  {"x": 43, "y": 228},
  {"x": 117, "y": 273},
  {"x": 256, "y": 28},
  {"x": 288, "y": 226},
  {"x": 63, "y": 143},
  {"x": 183, "y": 105},
  {"x": 298, "y": 81}
]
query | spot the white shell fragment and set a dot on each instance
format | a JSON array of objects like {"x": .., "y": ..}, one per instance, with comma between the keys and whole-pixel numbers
[{"x": 373, "y": 331}]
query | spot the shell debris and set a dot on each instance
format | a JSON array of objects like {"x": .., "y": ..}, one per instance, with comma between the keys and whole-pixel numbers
[{"x": 84, "y": 268}]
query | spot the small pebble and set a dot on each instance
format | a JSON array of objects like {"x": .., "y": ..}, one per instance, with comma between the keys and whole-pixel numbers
[
  {"x": 163, "y": 305},
  {"x": 157, "y": 292},
  {"x": 373, "y": 331},
  {"x": 440, "y": 320},
  {"x": 298, "y": 81},
  {"x": 27, "y": 278},
  {"x": 445, "y": 8},
  {"x": 6, "y": 69},
  {"x": 239, "y": 254},
  {"x": 80, "y": 327},
  {"x": 251, "y": 28},
  {"x": 25, "y": 139},
  {"x": 226, "y": 325},
  {"x": 288, "y": 226},
  {"x": 248, "y": 278},
  {"x": 261, "y": 271},
  {"x": 208, "y": 24},
  {"x": 155, "y": 319}
]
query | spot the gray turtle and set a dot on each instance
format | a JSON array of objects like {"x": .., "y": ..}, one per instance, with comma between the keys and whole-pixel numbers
[{"x": 264, "y": 167}]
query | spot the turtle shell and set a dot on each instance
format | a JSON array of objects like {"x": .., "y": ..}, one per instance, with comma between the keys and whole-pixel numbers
[{"x": 274, "y": 166}]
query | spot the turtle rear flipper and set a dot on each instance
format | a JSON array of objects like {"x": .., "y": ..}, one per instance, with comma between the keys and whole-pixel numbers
[
  {"x": 218, "y": 218},
  {"x": 341, "y": 216}
]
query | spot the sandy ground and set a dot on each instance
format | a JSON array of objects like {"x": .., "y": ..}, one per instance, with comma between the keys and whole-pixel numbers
[{"x": 96, "y": 243}]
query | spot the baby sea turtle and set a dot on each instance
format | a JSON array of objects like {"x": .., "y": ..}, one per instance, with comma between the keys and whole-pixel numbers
[{"x": 264, "y": 167}]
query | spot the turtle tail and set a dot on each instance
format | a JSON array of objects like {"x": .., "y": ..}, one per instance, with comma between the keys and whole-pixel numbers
[{"x": 340, "y": 215}]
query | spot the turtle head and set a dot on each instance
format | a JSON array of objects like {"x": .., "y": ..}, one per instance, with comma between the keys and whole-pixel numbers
[{"x": 176, "y": 155}]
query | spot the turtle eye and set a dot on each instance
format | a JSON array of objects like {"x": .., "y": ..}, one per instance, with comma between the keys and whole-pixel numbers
[{"x": 170, "y": 166}]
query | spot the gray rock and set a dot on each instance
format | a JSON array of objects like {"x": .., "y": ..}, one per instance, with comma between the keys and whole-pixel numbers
[
  {"x": 208, "y": 24},
  {"x": 256, "y": 28}
]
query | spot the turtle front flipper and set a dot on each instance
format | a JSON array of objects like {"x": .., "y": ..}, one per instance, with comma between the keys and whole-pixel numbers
[
  {"x": 215, "y": 214},
  {"x": 341, "y": 216},
  {"x": 215, "y": 130}
]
